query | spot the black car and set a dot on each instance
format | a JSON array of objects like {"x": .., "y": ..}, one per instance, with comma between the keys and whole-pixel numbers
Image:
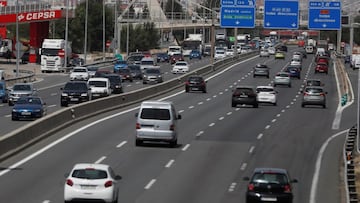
[
  {"x": 125, "y": 74},
  {"x": 244, "y": 95},
  {"x": 270, "y": 185},
  {"x": 75, "y": 92},
  {"x": 135, "y": 71},
  {"x": 195, "y": 83},
  {"x": 261, "y": 70},
  {"x": 282, "y": 48},
  {"x": 115, "y": 83},
  {"x": 162, "y": 57}
]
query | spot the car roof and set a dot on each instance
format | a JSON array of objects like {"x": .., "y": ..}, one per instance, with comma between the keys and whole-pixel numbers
[
  {"x": 77, "y": 81},
  {"x": 156, "y": 104},
  {"x": 270, "y": 170},
  {"x": 91, "y": 165},
  {"x": 265, "y": 86},
  {"x": 244, "y": 86},
  {"x": 98, "y": 79}
]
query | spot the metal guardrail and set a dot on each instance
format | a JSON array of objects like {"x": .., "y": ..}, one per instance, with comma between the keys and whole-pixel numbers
[
  {"x": 25, "y": 136},
  {"x": 350, "y": 178}
]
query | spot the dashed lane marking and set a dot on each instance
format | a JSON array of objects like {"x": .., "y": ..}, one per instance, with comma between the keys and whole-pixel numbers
[
  {"x": 168, "y": 165},
  {"x": 152, "y": 182},
  {"x": 121, "y": 144}
]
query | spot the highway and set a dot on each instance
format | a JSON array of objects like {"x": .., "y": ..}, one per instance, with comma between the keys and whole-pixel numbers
[{"x": 218, "y": 145}]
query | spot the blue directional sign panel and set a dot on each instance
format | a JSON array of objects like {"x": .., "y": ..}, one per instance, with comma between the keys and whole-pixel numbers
[
  {"x": 237, "y": 13},
  {"x": 324, "y": 15},
  {"x": 281, "y": 14}
]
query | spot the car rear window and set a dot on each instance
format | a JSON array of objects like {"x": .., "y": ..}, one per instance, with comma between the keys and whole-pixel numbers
[
  {"x": 155, "y": 114},
  {"x": 22, "y": 87},
  {"x": 75, "y": 86},
  {"x": 244, "y": 91},
  {"x": 261, "y": 89},
  {"x": 270, "y": 178},
  {"x": 89, "y": 174},
  {"x": 314, "y": 90},
  {"x": 97, "y": 83}
]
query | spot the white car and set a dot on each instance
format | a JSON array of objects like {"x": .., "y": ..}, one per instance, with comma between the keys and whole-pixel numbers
[
  {"x": 295, "y": 62},
  {"x": 229, "y": 52},
  {"x": 264, "y": 53},
  {"x": 79, "y": 73},
  {"x": 180, "y": 67},
  {"x": 219, "y": 54},
  {"x": 271, "y": 50},
  {"x": 100, "y": 87},
  {"x": 88, "y": 181},
  {"x": 266, "y": 94}
]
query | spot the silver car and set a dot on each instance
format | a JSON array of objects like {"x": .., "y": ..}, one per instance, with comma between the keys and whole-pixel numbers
[
  {"x": 314, "y": 95},
  {"x": 20, "y": 90},
  {"x": 264, "y": 53},
  {"x": 152, "y": 75},
  {"x": 282, "y": 78}
]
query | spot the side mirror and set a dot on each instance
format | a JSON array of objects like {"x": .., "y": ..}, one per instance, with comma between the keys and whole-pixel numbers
[{"x": 179, "y": 116}]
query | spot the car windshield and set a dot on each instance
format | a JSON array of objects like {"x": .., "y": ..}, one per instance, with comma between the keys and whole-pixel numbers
[
  {"x": 282, "y": 75},
  {"x": 181, "y": 64},
  {"x": 92, "y": 68},
  {"x": 79, "y": 70},
  {"x": 22, "y": 88},
  {"x": 91, "y": 174},
  {"x": 152, "y": 70},
  {"x": 97, "y": 83},
  {"x": 197, "y": 79},
  {"x": 177, "y": 55},
  {"x": 114, "y": 79},
  {"x": 313, "y": 83},
  {"x": 75, "y": 86},
  {"x": 156, "y": 114},
  {"x": 28, "y": 100},
  {"x": 243, "y": 91},
  {"x": 270, "y": 178},
  {"x": 120, "y": 62},
  {"x": 135, "y": 68}
]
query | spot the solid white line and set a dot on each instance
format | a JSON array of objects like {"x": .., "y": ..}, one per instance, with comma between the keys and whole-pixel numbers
[
  {"x": 100, "y": 160},
  {"x": 314, "y": 184},
  {"x": 121, "y": 144},
  {"x": 211, "y": 124},
  {"x": 148, "y": 186},
  {"x": 51, "y": 106},
  {"x": 251, "y": 150},
  {"x": 7, "y": 116},
  {"x": 185, "y": 147},
  {"x": 168, "y": 165},
  {"x": 199, "y": 133},
  {"x": 259, "y": 136},
  {"x": 48, "y": 87}
]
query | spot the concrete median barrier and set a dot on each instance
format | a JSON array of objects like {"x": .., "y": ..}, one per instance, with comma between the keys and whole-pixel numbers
[{"x": 24, "y": 137}]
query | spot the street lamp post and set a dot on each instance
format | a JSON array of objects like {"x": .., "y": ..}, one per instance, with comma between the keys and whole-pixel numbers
[
  {"x": 66, "y": 33},
  {"x": 103, "y": 30},
  {"x": 86, "y": 29},
  {"x": 17, "y": 39}
]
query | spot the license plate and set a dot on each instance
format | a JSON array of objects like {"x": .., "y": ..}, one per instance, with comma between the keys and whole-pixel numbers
[
  {"x": 88, "y": 187},
  {"x": 195, "y": 88},
  {"x": 269, "y": 199},
  {"x": 243, "y": 96},
  {"x": 25, "y": 113},
  {"x": 74, "y": 99}
]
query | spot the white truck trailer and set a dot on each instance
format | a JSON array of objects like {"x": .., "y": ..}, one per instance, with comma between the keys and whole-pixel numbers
[{"x": 53, "y": 55}]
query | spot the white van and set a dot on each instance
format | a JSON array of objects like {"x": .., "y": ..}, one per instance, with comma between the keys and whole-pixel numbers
[
  {"x": 309, "y": 49},
  {"x": 174, "y": 50},
  {"x": 147, "y": 62},
  {"x": 100, "y": 87},
  {"x": 157, "y": 121}
]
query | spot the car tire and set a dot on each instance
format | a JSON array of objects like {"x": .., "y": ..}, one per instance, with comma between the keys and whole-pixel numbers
[
  {"x": 324, "y": 106},
  {"x": 233, "y": 104},
  {"x": 173, "y": 143},
  {"x": 65, "y": 104},
  {"x": 267, "y": 76},
  {"x": 13, "y": 118},
  {"x": 204, "y": 91},
  {"x": 275, "y": 104},
  {"x": 290, "y": 85},
  {"x": 144, "y": 83},
  {"x": 256, "y": 105},
  {"x": 302, "y": 105},
  {"x": 186, "y": 89},
  {"x": 138, "y": 142},
  {"x": 11, "y": 103}
]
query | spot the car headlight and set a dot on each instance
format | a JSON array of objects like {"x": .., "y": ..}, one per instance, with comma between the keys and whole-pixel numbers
[
  {"x": 64, "y": 94},
  {"x": 84, "y": 94}
]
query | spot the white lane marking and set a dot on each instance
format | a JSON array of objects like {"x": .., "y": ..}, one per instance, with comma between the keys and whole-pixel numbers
[
  {"x": 314, "y": 184},
  {"x": 214, "y": 96},
  {"x": 221, "y": 118},
  {"x": 242, "y": 78},
  {"x": 291, "y": 103},
  {"x": 251, "y": 150},
  {"x": 53, "y": 94},
  {"x": 239, "y": 80},
  {"x": 232, "y": 187},
  {"x": 168, "y": 165},
  {"x": 230, "y": 86},
  {"x": 7, "y": 116},
  {"x": 200, "y": 103},
  {"x": 267, "y": 127},
  {"x": 273, "y": 120},
  {"x": 221, "y": 93},
  {"x": 46, "y": 201},
  {"x": 181, "y": 111},
  {"x": 235, "y": 83},
  {"x": 278, "y": 115},
  {"x": 243, "y": 166},
  {"x": 190, "y": 107},
  {"x": 51, "y": 106},
  {"x": 208, "y": 99},
  {"x": 185, "y": 147},
  {"x": 199, "y": 133},
  {"x": 287, "y": 106},
  {"x": 226, "y": 89},
  {"x": 211, "y": 124},
  {"x": 297, "y": 96},
  {"x": 294, "y": 99},
  {"x": 282, "y": 111},
  {"x": 148, "y": 186},
  {"x": 100, "y": 160},
  {"x": 229, "y": 113},
  {"x": 260, "y": 136},
  {"x": 44, "y": 149},
  {"x": 52, "y": 86},
  {"x": 121, "y": 144},
  {"x": 237, "y": 109}
]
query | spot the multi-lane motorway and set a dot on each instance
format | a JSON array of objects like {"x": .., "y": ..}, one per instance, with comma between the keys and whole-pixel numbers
[{"x": 218, "y": 144}]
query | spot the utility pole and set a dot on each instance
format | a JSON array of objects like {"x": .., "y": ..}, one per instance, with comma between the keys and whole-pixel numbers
[
  {"x": 86, "y": 29},
  {"x": 212, "y": 39}
]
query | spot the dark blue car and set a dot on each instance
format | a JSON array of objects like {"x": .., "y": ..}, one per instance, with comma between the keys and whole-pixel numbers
[
  {"x": 28, "y": 107},
  {"x": 195, "y": 54},
  {"x": 119, "y": 64},
  {"x": 294, "y": 72},
  {"x": 3, "y": 92},
  {"x": 162, "y": 57}
]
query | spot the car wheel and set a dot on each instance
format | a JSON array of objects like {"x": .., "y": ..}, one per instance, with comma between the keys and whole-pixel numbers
[
  {"x": 324, "y": 106},
  {"x": 233, "y": 104},
  {"x": 274, "y": 85},
  {"x": 138, "y": 142},
  {"x": 275, "y": 104},
  {"x": 64, "y": 104},
  {"x": 186, "y": 89},
  {"x": 256, "y": 105},
  {"x": 289, "y": 85},
  {"x": 14, "y": 118},
  {"x": 204, "y": 91},
  {"x": 11, "y": 103},
  {"x": 144, "y": 83},
  {"x": 299, "y": 77},
  {"x": 268, "y": 76},
  {"x": 173, "y": 143},
  {"x": 303, "y": 105}
]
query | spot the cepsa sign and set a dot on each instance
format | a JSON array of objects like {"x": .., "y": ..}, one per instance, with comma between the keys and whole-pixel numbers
[
  {"x": 31, "y": 16},
  {"x": 3, "y": 3}
]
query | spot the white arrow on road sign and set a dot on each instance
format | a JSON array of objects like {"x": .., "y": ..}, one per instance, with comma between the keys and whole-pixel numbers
[
  {"x": 268, "y": 24},
  {"x": 237, "y": 22},
  {"x": 324, "y": 25},
  {"x": 294, "y": 24}
]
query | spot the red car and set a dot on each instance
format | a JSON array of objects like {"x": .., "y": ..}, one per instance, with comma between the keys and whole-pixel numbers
[
  {"x": 176, "y": 57},
  {"x": 322, "y": 59},
  {"x": 321, "y": 68}
]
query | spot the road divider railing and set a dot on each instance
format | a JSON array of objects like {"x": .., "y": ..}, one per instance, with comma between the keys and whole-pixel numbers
[
  {"x": 343, "y": 82},
  {"x": 33, "y": 132},
  {"x": 350, "y": 175}
]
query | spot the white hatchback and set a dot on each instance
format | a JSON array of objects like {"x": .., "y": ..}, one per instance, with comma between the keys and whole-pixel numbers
[
  {"x": 266, "y": 94},
  {"x": 219, "y": 54},
  {"x": 180, "y": 67},
  {"x": 88, "y": 181}
]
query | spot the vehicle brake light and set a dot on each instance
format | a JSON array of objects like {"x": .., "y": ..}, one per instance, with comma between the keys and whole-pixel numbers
[
  {"x": 108, "y": 183},
  {"x": 251, "y": 187},
  {"x": 138, "y": 126},
  {"x": 322, "y": 94},
  {"x": 69, "y": 182},
  {"x": 306, "y": 94},
  {"x": 172, "y": 127},
  {"x": 287, "y": 188},
  {"x": 203, "y": 83},
  {"x": 187, "y": 82}
]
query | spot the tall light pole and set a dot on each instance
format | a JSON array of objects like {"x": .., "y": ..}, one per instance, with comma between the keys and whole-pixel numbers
[
  {"x": 66, "y": 33},
  {"x": 103, "y": 30},
  {"x": 127, "y": 33},
  {"x": 17, "y": 39},
  {"x": 172, "y": 17},
  {"x": 86, "y": 29},
  {"x": 115, "y": 27}
]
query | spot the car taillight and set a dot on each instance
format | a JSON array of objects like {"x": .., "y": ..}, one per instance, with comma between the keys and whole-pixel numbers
[
  {"x": 108, "y": 183},
  {"x": 306, "y": 94},
  {"x": 138, "y": 126},
  {"x": 251, "y": 187},
  {"x": 187, "y": 83},
  {"x": 172, "y": 127},
  {"x": 69, "y": 182},
  {"x": 203, "y": 83},
  {"x": 287, "y": 188},
  {"x": 322, "y": 94}
]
